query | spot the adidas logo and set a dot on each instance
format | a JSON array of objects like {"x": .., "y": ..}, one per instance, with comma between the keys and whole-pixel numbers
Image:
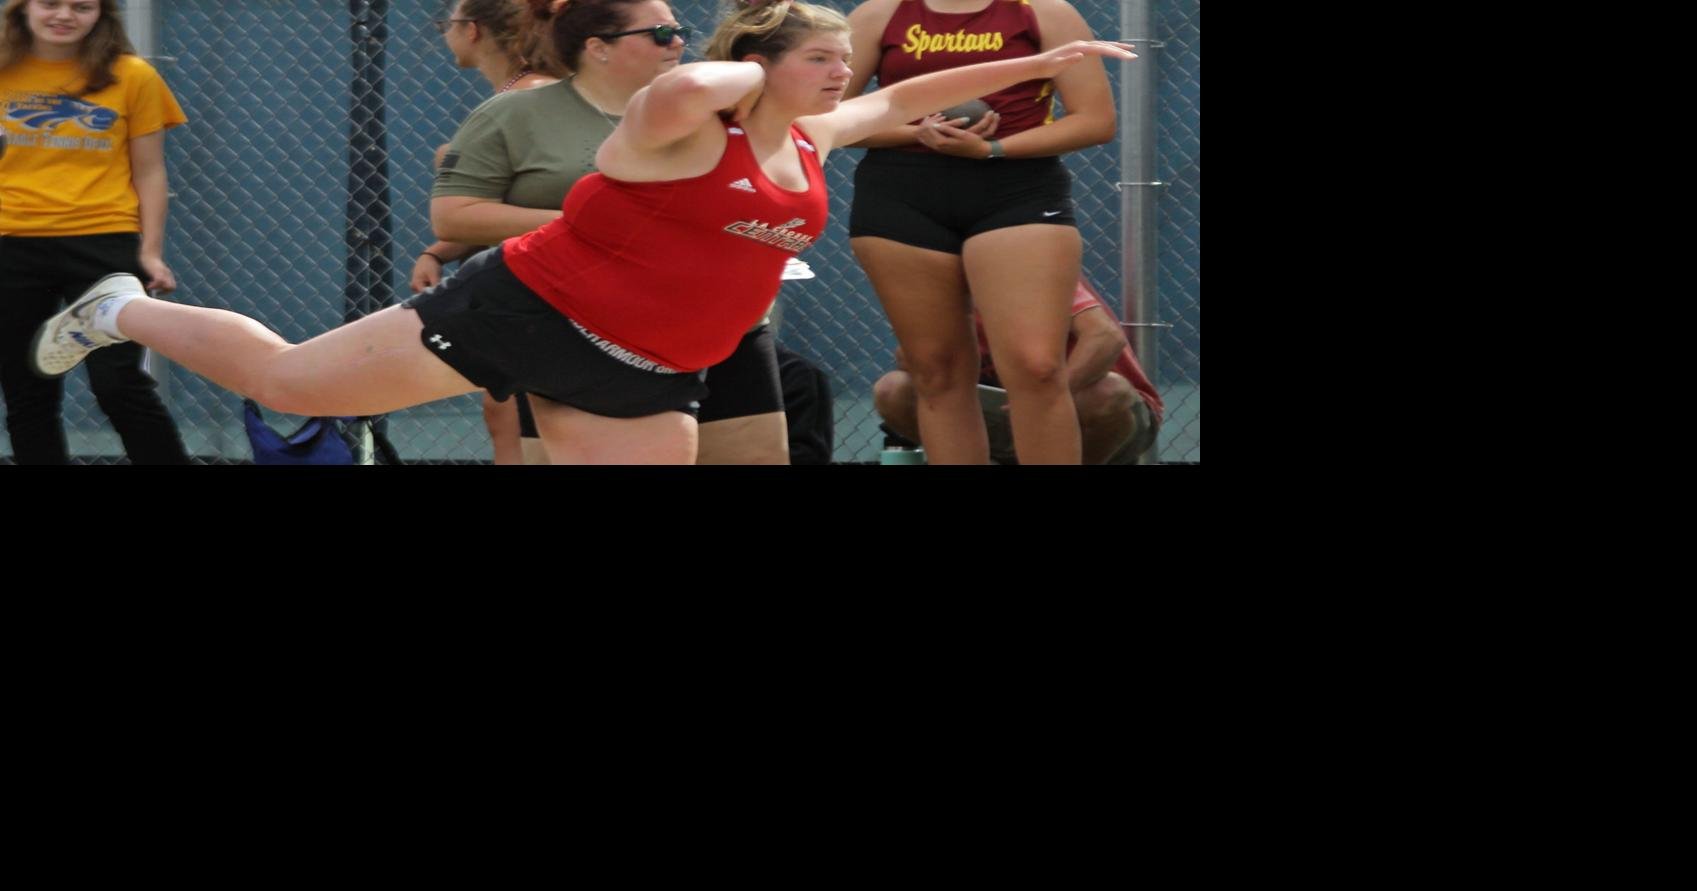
[
  {"x": 743, "y": 185},
  {"x": 807, "y": 145},
  {"x": 734, "y": 131}
]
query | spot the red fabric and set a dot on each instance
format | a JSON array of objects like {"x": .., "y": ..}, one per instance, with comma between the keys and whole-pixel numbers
[
  {"x": 1082, "y": 299},
  {"x": 674, "y": 271},
  {"x": 1006, "y": 29}
]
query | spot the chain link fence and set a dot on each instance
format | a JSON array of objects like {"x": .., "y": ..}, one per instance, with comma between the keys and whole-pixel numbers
[
  {"x": 1178, "y": 233},
  {"x": 301, "y": 190}
]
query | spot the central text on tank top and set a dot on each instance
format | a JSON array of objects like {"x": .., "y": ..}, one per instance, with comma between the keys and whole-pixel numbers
[
  {"x": 919, "y": 42},
  {"x": 777, "y": 236}
]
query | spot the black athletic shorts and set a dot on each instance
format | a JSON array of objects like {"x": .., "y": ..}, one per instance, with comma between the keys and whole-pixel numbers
[
  {"x": 938, "y": 201},
  {"x": 746, "y": 383},
  {"x": 490, "y": 327}
]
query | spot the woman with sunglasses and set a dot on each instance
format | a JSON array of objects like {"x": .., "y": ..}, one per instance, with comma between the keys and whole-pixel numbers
[
  {"x": 657, "y": 266},
  {"x": 498, "y": 38}
]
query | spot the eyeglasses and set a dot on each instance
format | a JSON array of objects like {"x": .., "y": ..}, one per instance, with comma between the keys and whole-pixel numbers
[
  {"x": 442, "y": 25},
  {"x": 662, "y": 34}
]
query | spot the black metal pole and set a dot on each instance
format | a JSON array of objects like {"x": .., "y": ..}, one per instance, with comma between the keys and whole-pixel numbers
[{"x": 369, "y": 233}]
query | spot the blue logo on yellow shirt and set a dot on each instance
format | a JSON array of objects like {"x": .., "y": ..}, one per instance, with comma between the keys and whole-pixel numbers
[{"x": 47, "y": 112}]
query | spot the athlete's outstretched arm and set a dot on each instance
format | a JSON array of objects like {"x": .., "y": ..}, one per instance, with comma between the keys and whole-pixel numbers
[{"x": 909, "y": 100}]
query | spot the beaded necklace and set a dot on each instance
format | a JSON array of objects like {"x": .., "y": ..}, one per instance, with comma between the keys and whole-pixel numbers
[{"x": 523, "y": 72}]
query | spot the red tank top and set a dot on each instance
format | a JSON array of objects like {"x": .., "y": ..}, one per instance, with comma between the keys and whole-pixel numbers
[
  {"x": 919, "y": 41},
  {"x": 674, "y": 271}
]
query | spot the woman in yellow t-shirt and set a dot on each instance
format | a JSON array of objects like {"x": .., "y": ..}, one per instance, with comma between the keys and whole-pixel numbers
[{"x": 82, "y": 195}]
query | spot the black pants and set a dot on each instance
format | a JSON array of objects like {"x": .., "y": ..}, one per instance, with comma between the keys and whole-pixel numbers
[{"x": 38, "y": 276}]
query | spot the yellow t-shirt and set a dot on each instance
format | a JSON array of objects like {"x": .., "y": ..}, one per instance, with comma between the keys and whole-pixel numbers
[{"x": 66, "y": 170}]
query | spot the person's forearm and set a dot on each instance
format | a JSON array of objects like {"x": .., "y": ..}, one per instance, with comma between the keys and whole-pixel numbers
[
  {"x": 1092, "y": 358},
  {"x": 1073, "y": 132},
  {"x": 1067, "y": 134},
  {"x": 151, "y": 190},
  {"x": 920, "y": 96},
  {"x": 878, "y": 113},
  {"x": 488, "y": 222},
  {"x": 891, "y": 138},
  {"x": 447, "y": 251}
]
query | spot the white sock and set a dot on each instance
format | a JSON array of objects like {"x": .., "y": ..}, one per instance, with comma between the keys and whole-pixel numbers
[{"x": 106, "y": 314}]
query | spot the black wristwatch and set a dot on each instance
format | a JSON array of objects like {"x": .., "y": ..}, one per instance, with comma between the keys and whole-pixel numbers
[{"x": 996, "y": 150}]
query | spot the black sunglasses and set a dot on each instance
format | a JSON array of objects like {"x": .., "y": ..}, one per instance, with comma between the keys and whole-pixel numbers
[
  {"x": 442, "y": 25},
  {"x": 662, "y": 34}
]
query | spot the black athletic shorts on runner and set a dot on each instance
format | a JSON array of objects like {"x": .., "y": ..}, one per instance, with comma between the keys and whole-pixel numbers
[
  {"x": 494, "y": 330},
  {"x": 742, "y": 386},
  {"x": 938, "y": 202},
  {"x": 746, "y": 384}
]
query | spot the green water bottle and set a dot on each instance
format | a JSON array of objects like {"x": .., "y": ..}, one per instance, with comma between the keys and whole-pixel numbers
[{"x": 899, "y": 455}]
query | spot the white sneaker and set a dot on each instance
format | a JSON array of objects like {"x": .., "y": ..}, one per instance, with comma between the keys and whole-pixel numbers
[{"x": 63, "y": 341}]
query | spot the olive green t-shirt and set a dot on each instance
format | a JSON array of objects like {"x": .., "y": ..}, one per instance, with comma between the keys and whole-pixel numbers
[{"x": 524, "y": 148}]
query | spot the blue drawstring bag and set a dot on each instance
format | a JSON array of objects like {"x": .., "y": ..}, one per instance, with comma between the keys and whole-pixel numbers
[{"x": 323, "y": 441}]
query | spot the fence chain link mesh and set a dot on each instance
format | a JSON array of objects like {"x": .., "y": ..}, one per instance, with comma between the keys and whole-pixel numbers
[
  {"x": 300, "y": 192},
  {"x": 1178, "y": 234}
]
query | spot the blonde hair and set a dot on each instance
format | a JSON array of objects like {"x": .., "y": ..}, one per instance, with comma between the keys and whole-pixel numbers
[
  {"x": 770, "y": 29},
  {"x": 100, "y": 50}
]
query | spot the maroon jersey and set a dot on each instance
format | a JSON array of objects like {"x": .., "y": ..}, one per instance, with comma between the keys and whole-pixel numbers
[
  {"x": 919, "y": 41},
  {"x": 1083, "y": 298},
  {"x": 674, "y": 271}
]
